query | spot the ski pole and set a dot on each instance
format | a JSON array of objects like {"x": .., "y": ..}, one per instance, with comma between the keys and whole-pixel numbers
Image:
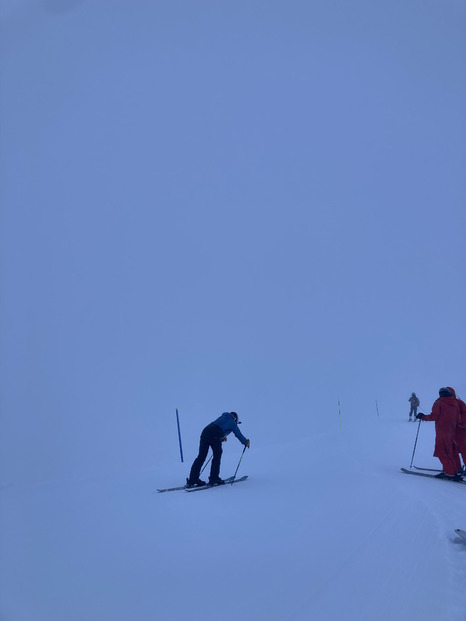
[
  {"x": 205, "y": 465},
  {"x": 414, "y": 449},
  {"x": 234, "y": 476}
]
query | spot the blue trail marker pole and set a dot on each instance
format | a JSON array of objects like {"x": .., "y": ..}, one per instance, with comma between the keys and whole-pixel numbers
[{"x": 179, "y": 434}]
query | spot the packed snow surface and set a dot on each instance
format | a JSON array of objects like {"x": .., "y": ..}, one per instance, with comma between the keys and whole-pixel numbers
[{"x": 326, "y": 527}]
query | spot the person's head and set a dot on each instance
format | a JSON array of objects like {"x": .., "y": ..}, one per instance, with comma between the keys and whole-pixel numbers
[
  {"x": 235, "y": 417},
  {"x": 413, "y": 394},
  {"x": 452, "y": 391},
  {"x": 445, "y": 392}
]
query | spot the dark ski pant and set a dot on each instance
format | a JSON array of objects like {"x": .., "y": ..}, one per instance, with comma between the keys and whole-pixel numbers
[
  {"x": 211, "y": 437},
  {"x": 413, "y": 411}
]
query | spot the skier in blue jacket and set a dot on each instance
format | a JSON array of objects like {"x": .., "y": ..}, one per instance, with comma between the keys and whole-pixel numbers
[{"x": 212, "y": 436}]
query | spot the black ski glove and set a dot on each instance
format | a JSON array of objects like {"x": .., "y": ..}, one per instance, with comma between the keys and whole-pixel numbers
[{"x": 420, "y": 416}]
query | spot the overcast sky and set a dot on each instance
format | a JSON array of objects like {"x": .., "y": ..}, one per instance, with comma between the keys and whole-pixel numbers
[{"x": 217, "y": 205}]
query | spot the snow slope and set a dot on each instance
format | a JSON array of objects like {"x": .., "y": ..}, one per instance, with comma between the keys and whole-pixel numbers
[{"x": 326, "y": 527}]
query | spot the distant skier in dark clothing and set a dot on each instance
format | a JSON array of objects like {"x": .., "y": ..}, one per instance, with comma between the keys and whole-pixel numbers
[
  {"x": 414, "y": 401},
  {"x": 212, "y": 436},
  {"x": 446, "y": 414}
]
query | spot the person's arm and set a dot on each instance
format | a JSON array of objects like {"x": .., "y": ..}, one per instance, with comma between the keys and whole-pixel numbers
[{"x": 239, "y": 435}]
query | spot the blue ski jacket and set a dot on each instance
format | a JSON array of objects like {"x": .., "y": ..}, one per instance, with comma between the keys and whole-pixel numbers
[{"x": 227, "y": 424}]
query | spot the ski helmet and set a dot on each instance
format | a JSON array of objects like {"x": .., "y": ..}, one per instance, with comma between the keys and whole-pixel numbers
[
  {"x": 445, "y": 392},
  {"x": 235, "y": 417},
  {"x": 452, "y": 391}
]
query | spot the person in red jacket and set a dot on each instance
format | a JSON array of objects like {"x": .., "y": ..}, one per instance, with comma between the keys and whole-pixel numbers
[
  {"x": 445, "y": 413},
  {"x": 460, "y": 436}
]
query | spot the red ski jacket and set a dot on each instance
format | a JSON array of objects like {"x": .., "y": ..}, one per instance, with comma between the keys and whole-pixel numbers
[
  {"x": 445, "y": 413},
  {"x": 462, "y": 406},
  {"x": 460, "y": 436}
]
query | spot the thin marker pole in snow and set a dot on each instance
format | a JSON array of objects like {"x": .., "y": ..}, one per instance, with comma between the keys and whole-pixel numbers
[
  {"x": 377, "y": 407},
  {"x": 179, "y": 434},
  {"x": 339, "y": 412}
]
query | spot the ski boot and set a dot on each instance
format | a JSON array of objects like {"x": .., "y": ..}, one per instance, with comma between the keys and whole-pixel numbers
[{"x": 197, "y": 483}]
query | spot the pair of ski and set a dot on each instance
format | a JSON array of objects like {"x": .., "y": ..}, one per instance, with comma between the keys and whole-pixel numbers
[
  {"x": 228, "y": 481},
  {"x": 430, "y": 476}
]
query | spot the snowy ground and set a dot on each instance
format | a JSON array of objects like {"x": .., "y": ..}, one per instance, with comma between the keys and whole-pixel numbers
[{"x": 326, "y": 527}]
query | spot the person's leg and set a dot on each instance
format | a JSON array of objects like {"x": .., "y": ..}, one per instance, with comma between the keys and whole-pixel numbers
[
  {"x": 199, "y": 461},
  {"x": 460, "y": 439},
  {"x": 457, "y": 462},
  {"x": 216, "y": 444},
  {"x": 450, "y": 465}
]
